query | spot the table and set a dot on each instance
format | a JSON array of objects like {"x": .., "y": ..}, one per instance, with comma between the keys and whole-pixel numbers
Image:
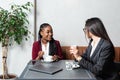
[{"x": 75, "y": 74}]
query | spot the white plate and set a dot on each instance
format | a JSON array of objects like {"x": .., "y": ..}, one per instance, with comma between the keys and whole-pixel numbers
[{"x": 46, "y": 61}]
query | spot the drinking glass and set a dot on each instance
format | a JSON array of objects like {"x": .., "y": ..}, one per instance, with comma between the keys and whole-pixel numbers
[{"x": 69, "y": 65}]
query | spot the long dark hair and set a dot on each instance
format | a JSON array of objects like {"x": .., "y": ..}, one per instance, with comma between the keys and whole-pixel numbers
[
  {"x": 96, "y": 27},
  {"x": 44, "y": 25}
]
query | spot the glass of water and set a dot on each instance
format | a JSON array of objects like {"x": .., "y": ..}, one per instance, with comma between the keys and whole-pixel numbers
[{"x": 69, "y": 65}]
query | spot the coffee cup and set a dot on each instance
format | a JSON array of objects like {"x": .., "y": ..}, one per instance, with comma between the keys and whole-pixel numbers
[{"x": 48, "y": 59}]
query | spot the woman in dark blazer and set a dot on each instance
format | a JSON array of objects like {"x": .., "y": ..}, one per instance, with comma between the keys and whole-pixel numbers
[
  {"x": 99, "y": 55},
  {"x": 46, "y": 45}
]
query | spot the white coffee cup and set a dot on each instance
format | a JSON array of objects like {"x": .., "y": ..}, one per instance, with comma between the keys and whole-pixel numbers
[{"x": 48, "y": 59}]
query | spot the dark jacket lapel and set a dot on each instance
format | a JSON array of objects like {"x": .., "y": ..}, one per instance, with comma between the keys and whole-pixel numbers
[
  {"x": 97, "y": 48},
  {"x": 89, "y": 50}
]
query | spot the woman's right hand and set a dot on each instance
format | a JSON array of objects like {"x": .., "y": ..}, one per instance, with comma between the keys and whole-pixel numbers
[
  {"x": 74, "y": 50},
  {"x": 40, "y": 54}
]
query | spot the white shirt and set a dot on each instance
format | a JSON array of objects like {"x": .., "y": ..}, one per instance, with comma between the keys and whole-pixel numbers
[
  {"x": 46, "y": 50},
  {"x": 94, "y": 46}
]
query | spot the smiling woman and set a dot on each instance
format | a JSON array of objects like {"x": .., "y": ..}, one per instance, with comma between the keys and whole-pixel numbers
[{"x": 46, "y": 45}]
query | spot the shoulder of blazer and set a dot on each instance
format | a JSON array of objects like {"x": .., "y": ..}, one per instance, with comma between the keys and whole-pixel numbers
[
  {"x": 36, "y": 43},
  {"x": 105, "y": 44},
  {"x": 56, "y": 41}
]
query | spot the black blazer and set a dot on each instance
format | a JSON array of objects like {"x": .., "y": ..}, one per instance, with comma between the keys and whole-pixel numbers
[{"x": 101, "y": 63}]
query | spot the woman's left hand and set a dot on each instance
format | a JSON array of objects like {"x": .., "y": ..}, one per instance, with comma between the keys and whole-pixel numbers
[{"x": 55, "y": 57}]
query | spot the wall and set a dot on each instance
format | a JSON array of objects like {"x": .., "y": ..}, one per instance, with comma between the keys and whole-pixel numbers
[
  {"x": 18, "y": 55},
  {"x": 68, "y": 18}
]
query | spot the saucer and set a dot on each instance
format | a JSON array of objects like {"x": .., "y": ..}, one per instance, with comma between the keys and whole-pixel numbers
[{"x": 47, "y": 60}]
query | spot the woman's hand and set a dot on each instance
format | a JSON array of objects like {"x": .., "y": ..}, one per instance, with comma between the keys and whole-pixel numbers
[
  {"x": 55, "y": 58},
  {"x": 75, "y": 52},
  {"x": 40, "y": 54}
]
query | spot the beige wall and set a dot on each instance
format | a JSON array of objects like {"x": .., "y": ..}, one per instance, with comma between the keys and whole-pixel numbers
[{"x": 68, "y": 18}]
